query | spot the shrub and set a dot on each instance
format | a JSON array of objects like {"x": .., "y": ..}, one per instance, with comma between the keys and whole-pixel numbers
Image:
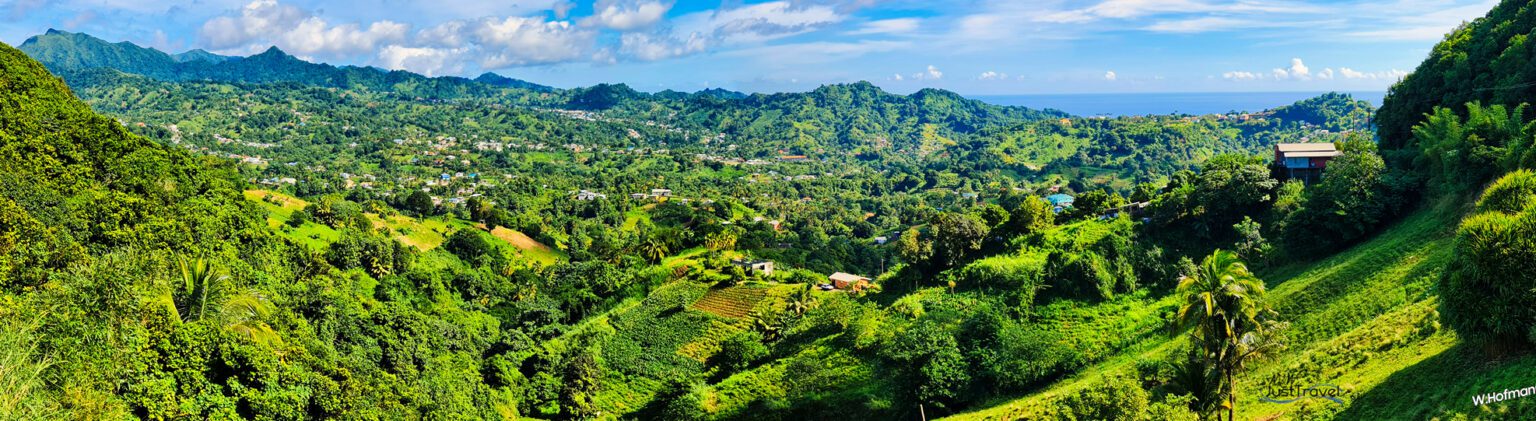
[
  {"x": 1488, "y": 290},
  {"x": 741, "y": 350},
  {"x": 1117, "y": 398}
]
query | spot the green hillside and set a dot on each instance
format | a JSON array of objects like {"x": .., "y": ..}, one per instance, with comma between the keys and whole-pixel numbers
[
  {"x": 139, "y": 283},
  {"x": 196, "y": 236}
]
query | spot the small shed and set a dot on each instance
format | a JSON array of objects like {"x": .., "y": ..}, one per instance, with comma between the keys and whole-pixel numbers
[
  {"x": 843, "y": 280},
  {"x": 764, "y": 267}
]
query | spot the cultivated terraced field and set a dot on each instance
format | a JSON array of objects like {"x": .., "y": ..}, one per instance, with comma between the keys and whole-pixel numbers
[{"x": 734, "y": 302}]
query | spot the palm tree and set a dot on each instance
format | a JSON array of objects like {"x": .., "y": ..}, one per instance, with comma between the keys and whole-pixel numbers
[
  {"x": 654, "y": 249},
  {"x": 802, "y": 301},
  {"x": 1224, "y": 306},
  {"x": 238, "y": 311}
]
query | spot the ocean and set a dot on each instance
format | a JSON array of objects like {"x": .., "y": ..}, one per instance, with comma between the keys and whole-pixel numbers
[{"x": 1115, "y": 105}]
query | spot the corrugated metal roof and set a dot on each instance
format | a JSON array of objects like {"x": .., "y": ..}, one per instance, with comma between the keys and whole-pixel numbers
[
  {"x": 1312, "y": 154},
  {"x": 1305, "y": 147},
  {"x": 847, "y": 277}
]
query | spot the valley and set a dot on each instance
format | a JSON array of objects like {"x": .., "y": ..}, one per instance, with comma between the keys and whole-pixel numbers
[{"x": 211, "y": 236}]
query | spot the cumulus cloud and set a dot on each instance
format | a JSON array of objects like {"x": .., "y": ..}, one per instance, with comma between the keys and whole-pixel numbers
[
  {"x": 424, "y": 60},
  {"x": 628, "y": 15},
  {"x": 447, "y": 34},
  {"x": 518, "y": 40},
  {"x": 299, "y": 31},
  {"x": 704, "y": 31},
  {"x": 932, "y": 73},
  {"x": 1297, "y": 71},
  {"x": 651, "y": 47},
  {"x": 1111, "y": 76},
  {"x": 991, "y": 75}
]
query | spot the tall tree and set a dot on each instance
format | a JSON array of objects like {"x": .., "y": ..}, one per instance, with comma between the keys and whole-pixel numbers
[{"x": 1228, "y": 319}]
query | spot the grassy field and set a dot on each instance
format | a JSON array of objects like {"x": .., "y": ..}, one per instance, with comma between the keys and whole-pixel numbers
[
  {"x": 1364, "y": 320},
  {"x": 423, "y": 234}
]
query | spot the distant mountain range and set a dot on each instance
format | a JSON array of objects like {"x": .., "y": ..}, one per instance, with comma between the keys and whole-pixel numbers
[
  {"x": 852, "y": 113},
  {"x": 63, "y": 52}
]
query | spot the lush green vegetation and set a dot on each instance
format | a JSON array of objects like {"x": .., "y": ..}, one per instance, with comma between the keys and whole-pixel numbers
[{"x": 261, "y": 237}]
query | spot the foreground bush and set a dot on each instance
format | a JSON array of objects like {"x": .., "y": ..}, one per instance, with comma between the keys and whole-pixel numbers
[{"x": 1488, "y": 291}]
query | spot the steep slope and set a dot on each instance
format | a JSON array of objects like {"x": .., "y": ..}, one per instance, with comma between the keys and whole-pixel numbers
[
  {"x": 1491, "y": 60},
  {"x": 136, "y": 282},
  {"x": 90, "y": 178},
  {"x": 1364, "y": 320}
]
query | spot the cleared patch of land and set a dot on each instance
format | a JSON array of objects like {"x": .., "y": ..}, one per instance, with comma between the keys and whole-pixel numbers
[{"x": 423, "y": 234}]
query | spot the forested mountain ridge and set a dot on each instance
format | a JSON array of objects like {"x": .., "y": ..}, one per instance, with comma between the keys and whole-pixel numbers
[
  {"x": 65, "y": 51},
  {"x": 1491, "y": 60}
]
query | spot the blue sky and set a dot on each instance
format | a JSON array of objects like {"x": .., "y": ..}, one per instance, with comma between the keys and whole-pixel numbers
[{"x": 980, "y": 47}]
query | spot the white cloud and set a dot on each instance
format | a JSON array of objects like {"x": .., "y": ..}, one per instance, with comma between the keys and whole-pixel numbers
[
  {"x": 1392, "y": 75},
  {"x": 1326, "y": 74},
  {"x": 1128, "y": 9},
  {"x": 514, "y": 41},
  {"x": 932, "y": 73},
  {"x": 991, "y": 75},
  {"x": 446, "y": 34},
  {"x": 1300, "y": 70},
  {"x": 628, "y": 15},
  {"x": 1297, "y": 71},
  {"x": 1239, "y": 75},
  {"x": 650, "y": 47},
  {"x": 897, "y": 77},
  {"x": 758, "y": 22},
  {"x": 797, "y": 55},
  {"x": 1419, "y": 20},
  {"x": 1111, "y": 76},
  {"x": 424, "y": 60},
  {"x": 296, "y": 30},
  {"x": 887, "y": 26}
]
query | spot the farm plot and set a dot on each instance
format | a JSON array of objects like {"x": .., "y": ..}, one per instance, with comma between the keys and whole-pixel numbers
[{"x": 734, "y": 302}]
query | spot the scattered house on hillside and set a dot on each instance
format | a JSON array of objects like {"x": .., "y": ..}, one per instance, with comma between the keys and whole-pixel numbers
[
  {"x": 793, "y": 158},
  {"x": 1060, "y": 201},
  {"x": 1132, "y": 209},
  {"x": 848, "y": 281},
  {"x": 660, "y": 193},
  {"x": 882, "y": 240},
  {"x": 586, "y": 195},
  {"x": 639, "y": 196},
  {"x": 1303, "y": 161},
  {"x": 763, "y": 267}
]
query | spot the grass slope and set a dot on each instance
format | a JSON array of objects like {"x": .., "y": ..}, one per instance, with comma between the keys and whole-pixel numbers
[
  {"x": 423, "y": 234},
  {"x": 1364, "y": 319}
]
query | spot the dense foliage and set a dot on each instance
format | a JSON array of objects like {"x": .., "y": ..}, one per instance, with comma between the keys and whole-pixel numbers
[
  {"x": 423, "y": 248},
  {"x": 1490, "y": 284}
]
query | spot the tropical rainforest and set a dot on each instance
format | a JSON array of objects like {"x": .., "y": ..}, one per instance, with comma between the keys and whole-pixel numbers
[{"x": 212, "y": 237}]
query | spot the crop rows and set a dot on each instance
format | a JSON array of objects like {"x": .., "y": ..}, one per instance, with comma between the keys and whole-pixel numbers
[{"x": 732, "y": 303}]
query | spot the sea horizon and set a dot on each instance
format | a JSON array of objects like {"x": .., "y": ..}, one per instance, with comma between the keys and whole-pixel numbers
[{"x": 1164, "y": 103}]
